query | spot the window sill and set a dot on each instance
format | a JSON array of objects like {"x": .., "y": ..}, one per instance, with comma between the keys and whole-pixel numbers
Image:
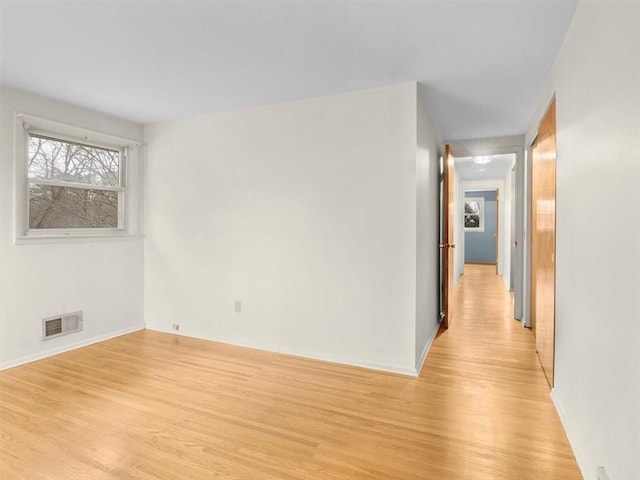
[{"x": 74, "y": 238}]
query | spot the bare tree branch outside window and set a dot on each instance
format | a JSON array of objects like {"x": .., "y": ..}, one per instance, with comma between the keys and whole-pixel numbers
[{"x": 84, "y": 204}]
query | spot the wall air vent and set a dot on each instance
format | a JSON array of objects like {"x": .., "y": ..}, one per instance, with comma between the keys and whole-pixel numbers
[{"x": 59, "y": 325}]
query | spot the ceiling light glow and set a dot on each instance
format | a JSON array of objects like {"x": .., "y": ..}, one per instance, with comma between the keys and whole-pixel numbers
[{"x": 481, "y": 160}]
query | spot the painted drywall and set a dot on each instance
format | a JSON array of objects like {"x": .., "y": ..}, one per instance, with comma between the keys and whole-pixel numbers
[
  {"x": 103, "y": 278},
  {"x": 480, "y": 247},
  {"x": 511, "y": 182},
  {"x": 458, "y": 230},
  {"x": 429, "y": 150},
  {"x": 596, "y": 80},
  {"x": 304, "y": 212},
  {"x": 505, "y": 230}
]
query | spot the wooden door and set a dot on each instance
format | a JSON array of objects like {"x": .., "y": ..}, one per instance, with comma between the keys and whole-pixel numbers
[
  {"x": 543, "y": 240},
  {"x": 447, "y": 245}
]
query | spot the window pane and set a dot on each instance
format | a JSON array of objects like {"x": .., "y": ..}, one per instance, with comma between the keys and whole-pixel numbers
[
  {"x": 73, "y": 162},
  {"x": 62, "y": 207}
]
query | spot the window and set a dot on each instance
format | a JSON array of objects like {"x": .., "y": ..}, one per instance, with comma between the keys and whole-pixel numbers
[
  {"x": 73, "y": 185},
  {"x": 73, "y": 182},
  {"x": 474, "y": 214}
]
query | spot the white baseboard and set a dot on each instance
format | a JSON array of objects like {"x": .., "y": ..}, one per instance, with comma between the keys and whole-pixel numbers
[
  {"x": 581, "y": 459},
  {"x": 425, "y": 350},
  {"x": 65, "y": 348},
  {"x": 302, "y": 353}
]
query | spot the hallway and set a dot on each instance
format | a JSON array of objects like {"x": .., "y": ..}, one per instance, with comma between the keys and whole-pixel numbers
[{"x": 495, "y": 398}]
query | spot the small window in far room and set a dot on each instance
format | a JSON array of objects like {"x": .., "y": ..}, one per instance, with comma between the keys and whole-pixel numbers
[{"x": 474, "y": 214}]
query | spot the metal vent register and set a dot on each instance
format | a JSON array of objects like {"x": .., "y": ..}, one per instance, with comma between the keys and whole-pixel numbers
[{"x": 61, "y": 325}]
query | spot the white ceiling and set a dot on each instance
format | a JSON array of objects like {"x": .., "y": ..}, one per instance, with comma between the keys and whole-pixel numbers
[
  {"x": 496, "y": 169},
  {"x": 481, "y": 64}
]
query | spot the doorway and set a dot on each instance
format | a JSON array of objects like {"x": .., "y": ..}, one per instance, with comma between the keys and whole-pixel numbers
[
  {"x": 470, "y": 186},
  {"x": 481, "y": 227},
  {"x": 486, "y": 179}
]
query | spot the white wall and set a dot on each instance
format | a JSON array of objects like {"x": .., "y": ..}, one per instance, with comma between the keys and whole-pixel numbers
[
  {"x": 458, "y": 229},
  {"x": 306, "y": 212},
  {"x": 596, "y": 79},
  {"x": 505, "y": 207},
  {"x": 512, "y": 209},
  {"x": 104, "y": 278},
  {"x": 429, "y": 149}
]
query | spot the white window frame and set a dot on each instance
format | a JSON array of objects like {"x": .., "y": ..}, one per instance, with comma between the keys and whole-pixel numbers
[
  {"x": 26, "y": 125},
  {"x": 480, "y": 201}
]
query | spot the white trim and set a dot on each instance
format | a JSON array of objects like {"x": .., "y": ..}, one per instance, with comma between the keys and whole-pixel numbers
[
  {"x": 499, "y": 186},
  {"x": 482, "y": 185},
  {"x": 90, "y": 135},
  {"x": 301, "y": 353},
  {"x": 20, "y": 184},
  {"x": 526, "y": 238},
  {"x": 55, "y": 351},
  {"x": 83, "y": 186},
  {"x": 73, "y": 232},
  {"x": 62, "y": 238},
  {"x": 425, "y": 350},
  {"x": 581, "y": 459}
]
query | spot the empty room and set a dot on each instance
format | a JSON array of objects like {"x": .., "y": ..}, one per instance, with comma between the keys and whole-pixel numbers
[{"x": 320, "y": 240}]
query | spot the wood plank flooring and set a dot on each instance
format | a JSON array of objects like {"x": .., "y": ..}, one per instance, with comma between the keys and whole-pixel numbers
[{"x": 156, "y": 406}]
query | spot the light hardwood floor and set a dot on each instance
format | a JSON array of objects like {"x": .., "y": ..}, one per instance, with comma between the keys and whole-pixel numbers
[{"x": 156, "y": 406}]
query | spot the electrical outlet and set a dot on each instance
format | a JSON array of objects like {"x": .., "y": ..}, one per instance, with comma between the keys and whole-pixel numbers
[
  {"x": 238, "y": 306},
  {"x": 602, "y": 474},
  {"x": 175, "y": 327}
]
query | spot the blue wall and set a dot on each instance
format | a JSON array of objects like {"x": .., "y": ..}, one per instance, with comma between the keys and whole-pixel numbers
[{"x": 480, "y": 247}]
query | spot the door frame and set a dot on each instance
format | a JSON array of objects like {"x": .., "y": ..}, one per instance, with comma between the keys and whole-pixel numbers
[
  {"x": 473, "y": 187},
  {"x": 447, "y": 230},
  {"x": 497, "y": 146},
  {"x": 499, "y": 187}
]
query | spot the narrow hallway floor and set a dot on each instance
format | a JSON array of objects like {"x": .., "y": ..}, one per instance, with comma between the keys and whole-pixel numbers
[{"x": 495, "y": 398}]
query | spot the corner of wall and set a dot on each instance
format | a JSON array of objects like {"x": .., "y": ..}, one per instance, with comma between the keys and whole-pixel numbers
[{"x": 429, "y": 148}]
